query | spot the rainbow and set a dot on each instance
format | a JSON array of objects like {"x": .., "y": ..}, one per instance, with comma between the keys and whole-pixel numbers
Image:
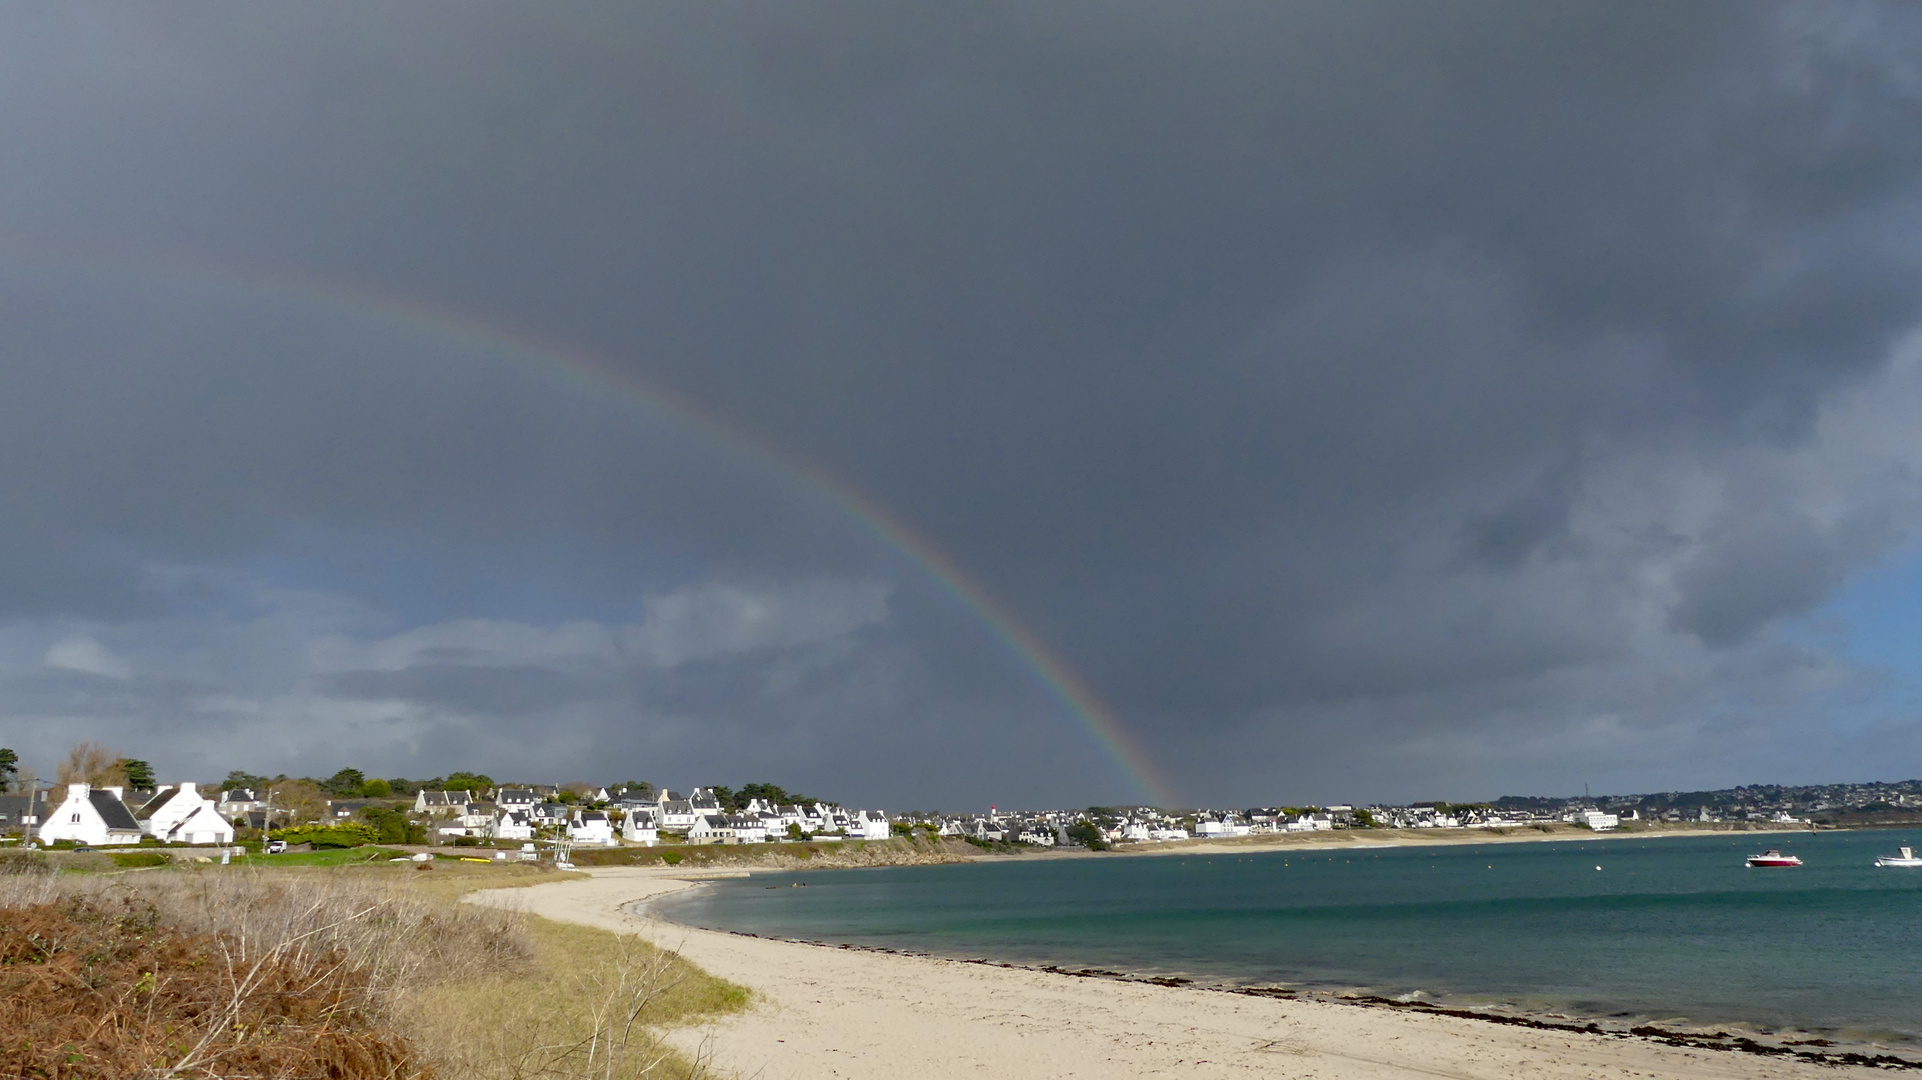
[{"x": 581, "y": 366}]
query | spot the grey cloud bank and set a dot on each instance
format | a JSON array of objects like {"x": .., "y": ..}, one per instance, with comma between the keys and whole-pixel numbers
[{"x": 1375, "y": 400}]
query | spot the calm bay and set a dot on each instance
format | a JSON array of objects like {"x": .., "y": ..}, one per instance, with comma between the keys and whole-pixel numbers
[{"x": 1665, "y": 928}]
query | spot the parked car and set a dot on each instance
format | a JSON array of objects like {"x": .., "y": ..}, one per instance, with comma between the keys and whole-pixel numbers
[{"x": 275, "y": 847}]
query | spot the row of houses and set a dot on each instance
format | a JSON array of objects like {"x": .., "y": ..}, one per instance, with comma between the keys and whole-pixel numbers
[
  {"x": 103, "y": 816},
  {"x": 520, "y": 814}
]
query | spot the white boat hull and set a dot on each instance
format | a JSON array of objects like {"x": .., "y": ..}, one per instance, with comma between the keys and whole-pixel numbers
[{"x": 1907, "y": 858}]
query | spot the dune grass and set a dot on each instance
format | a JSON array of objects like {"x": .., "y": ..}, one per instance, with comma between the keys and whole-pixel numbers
[
  {"x": 592, "y": 1003},
  {"x": 385, "y": 955}
]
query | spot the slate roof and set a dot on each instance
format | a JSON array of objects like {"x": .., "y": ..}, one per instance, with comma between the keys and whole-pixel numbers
[
  {"x": 113, "y": 811},
  {"x": 15, "y": 807},
  {"x": 155, "y": 803}
]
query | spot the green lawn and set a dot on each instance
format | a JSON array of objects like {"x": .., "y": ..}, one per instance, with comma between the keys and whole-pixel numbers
[{"x": 322, "y": 857}]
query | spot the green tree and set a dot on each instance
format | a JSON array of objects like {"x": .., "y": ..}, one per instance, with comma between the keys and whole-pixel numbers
[
  {"x": 9, "y": 768},
  {"x": 393, "y": 826},
  {"x": 376, "y": 789},
  {"x": 139, "y": 774},
  {"x": 1087, "y": 835},
  {"x": 772, "y": 793},
  {"x": 343, "y": 783},
  {"x": 239, "y": 779},
  {"x": 1365, "y": 819},
  {"x": 467, "y": 781}
]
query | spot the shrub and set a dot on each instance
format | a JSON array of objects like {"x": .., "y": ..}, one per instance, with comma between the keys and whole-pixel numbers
[
  {"x": 346, "y": 834},
  {"x": 204, "y": 976},
  {"x": 128, "y": 860},
  {"x": 672, "y": 858},
  {"x": 393, "y": 826}
]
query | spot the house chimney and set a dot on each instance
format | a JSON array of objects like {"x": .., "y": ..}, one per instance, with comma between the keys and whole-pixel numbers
[
  {"x": 77, "y": 791},
  {"x": 187, "y": 788}
]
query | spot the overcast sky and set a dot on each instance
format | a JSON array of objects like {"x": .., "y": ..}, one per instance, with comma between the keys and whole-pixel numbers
[{"x": 1365, "y": 400}]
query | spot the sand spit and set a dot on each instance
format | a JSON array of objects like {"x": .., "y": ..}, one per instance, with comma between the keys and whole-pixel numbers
[{"x": 824, "y": 1011}]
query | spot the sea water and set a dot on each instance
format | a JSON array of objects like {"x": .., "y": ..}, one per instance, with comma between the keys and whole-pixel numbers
[{"x": 1672, "y": 929}]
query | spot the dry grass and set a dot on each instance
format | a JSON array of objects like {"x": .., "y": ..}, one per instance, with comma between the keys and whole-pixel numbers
[
  {"x": 345, "y": 973},
  {"x": 592, "y": 1009}
]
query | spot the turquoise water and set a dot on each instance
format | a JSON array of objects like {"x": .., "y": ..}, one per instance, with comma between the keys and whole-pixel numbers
[{"x": 1672, "y": 929}]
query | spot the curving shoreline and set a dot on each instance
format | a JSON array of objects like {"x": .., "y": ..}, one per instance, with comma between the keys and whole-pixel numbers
[{"x": 857, "y": 1012}]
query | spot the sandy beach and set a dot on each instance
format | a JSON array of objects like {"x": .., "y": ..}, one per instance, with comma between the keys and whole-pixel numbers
[{"x": 827, "y": 1012}]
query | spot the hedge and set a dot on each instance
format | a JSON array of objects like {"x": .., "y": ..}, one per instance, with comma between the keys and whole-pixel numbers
[{"x": 346, "y": 834}]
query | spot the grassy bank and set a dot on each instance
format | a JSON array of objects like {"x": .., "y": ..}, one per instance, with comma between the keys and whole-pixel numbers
[{"x": 347, "y": 971}]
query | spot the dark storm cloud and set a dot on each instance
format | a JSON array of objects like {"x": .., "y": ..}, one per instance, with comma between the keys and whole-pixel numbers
[{"x": 1472, "y": 368}]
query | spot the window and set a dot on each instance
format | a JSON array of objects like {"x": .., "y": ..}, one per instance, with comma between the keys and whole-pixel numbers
[{"x": 76, "y": 819}]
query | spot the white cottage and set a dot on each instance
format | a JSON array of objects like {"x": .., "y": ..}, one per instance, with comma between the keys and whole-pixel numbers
[
  {"x": 96, "y": 818},
  {"x": 513, "y": 825},
  {"x": 641, "y": 826},
  {"x": 180, "y": 814},
  {"x": 709, "y": 829},
  {"x": 869, "y": 825},
  {"x": 592, "y": 827}
]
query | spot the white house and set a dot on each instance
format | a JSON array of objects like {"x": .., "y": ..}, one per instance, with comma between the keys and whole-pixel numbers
[
  {"x": 1035, "y": 834},
  {"x": 1223, "y": 827},
  {"x": 516, "y": 798},
  {"x": 445, "y": 803},
  {"x": 709, "y": 829},
  {"x": 86, "y": 816},
  {"x": 869, "y": 825},
  {"x": 182, "y": 815},
  {"x": 512, "y": 825},
  {"x": 1599, "y": 821},
  {"x": 677, "y": 815},
  {"x": 984, "y": 829},
  {"x": 203, "y": 826},
  {"x": 592, "y": 827},
  {"x": 641, "y": 826},
  {"x": 748, "y": 829}
]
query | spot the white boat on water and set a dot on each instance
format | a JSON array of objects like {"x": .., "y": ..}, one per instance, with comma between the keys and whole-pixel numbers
[
  {"x": 1772, "y": 857},
  {"x": 1907, "y": 858}
]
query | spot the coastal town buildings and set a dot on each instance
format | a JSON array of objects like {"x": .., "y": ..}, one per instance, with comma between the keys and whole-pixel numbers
[{"x": 642, "y": 815}]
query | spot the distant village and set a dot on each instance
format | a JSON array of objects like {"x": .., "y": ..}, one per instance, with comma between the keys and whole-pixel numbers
[{"x": 104, "y": 800}]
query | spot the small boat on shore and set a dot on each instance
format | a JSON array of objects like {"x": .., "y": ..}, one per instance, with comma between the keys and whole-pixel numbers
[
  {"x": 1772, "y": 857},
  {"x": 1907, "y": 858}
]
